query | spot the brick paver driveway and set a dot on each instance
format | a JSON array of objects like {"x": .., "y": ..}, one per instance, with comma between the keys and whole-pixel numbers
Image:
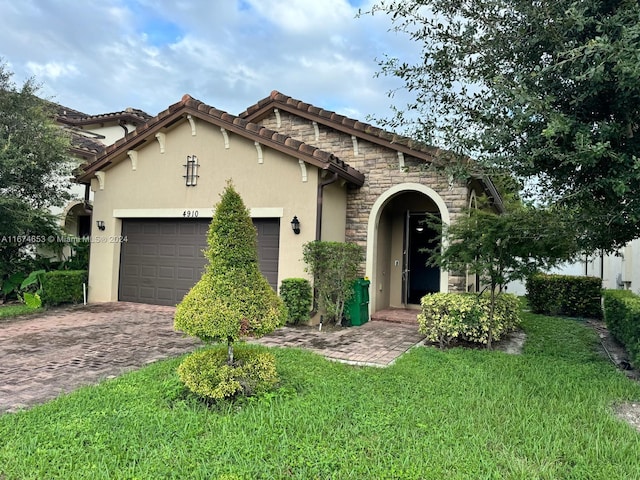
[
  {"x": 46, "y": 355},
  {"x": 61, "y": 350}
]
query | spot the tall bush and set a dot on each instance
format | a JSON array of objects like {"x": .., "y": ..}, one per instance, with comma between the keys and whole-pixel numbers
[
  {"x": 233, "y": 299},
  {"x": 334, "y": 266},
  {"x": 298, "y": 298},
  {"x": 568, "y": 295},
  {"x": 63, "y": 286}
]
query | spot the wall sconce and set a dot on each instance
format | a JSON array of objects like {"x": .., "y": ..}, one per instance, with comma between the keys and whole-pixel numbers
[
  {"x": 100, "y": 224},
  {"x": 295, "y": 225}
]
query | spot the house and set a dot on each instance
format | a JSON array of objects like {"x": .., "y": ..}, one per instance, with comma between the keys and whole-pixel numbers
[
  {"x": 344, "y": 180},
  {"x": 90, "y": 134}
]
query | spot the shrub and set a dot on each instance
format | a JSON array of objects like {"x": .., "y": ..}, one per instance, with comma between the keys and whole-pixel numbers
[
  {"x": 334, "y": 266},
  {"x": 207, "y": 373},
  {"x": 298, "y": 298},
  {"x": 446, "y": 317},
  {"x": 233, "y": 299},
  {"x": 63, "y": 286},
  {"x": 622, "y": 316},
  {"x": 565, "y": 295}
]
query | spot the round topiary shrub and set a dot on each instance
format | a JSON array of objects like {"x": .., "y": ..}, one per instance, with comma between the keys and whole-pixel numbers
[{"x": 207, "y": 373}]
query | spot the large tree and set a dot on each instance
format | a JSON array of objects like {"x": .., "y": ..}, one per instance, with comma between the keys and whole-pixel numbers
[
  {"x": 548, "y": 89},
  {"x": 35, "y": 171}
]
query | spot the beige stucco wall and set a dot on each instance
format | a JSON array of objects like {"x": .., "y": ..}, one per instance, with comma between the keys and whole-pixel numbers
[{"x": 156, "y": 188}]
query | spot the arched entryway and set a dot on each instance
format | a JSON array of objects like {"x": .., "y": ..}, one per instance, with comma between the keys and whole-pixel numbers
[{"x": 397, "y": 233}]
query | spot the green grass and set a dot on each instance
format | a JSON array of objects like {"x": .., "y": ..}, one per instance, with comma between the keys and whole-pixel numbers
[
  {"x": 8, "y": 311},
  {"x": 456, "y": 414}
]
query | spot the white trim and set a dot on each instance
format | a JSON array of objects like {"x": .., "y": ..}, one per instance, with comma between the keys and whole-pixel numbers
[
  {"x": 303, "y": 170},
  {"x": 203, "y": 212},
  {"x": 133, "y": 156},
  {"x": 278, "y": 121},
  {"x": 259, "y": 150},
  {"x": 192, "y": 122},
  {"x": 161, "y": 137},
  {"x": 374, "y": 221},
  {"x": 225, "y": 136}
]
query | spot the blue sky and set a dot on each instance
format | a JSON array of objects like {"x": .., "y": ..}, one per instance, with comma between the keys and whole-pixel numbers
[{"x": 104, "y": 56}]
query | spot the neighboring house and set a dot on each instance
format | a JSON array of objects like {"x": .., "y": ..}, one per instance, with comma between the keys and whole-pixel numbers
[
  {"x": 344, "y": 180},
  {"x": 616, "y": 270},
  {"x": 90, "y": 135}
]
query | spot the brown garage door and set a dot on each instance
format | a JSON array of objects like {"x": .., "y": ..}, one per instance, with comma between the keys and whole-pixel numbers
[{"x": 162, "y": 258}]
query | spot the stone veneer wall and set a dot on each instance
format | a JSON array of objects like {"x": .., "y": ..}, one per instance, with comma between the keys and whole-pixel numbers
[{"x": 381, "y": 168}]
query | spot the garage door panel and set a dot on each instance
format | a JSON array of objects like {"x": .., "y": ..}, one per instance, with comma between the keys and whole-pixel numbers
[{"x": 163, "y": 258}]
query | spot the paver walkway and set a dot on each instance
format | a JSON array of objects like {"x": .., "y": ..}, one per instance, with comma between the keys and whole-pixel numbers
[
  {"x": 46, "y": 355},
  {"x": 373, "y": 343}
]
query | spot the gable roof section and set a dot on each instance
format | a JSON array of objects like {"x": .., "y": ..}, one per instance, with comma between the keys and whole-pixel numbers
[
  {"x": 190, "y": 106},
  {"x": 357, "y": 128},
  {"x": 341, "y": 123}
]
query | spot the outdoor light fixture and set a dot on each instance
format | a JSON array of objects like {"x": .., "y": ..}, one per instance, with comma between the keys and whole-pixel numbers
[
  {"x": 191, "y": 176},
  {"x": 295, "y": 225},
  {"x": 100, "y": 224}
]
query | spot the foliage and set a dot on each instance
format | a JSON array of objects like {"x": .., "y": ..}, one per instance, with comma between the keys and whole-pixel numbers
[
  {"x": 232, "y": 299},
  {"x": 546, "y": 89},
  {"x": 334, "y": 266},
  {"x": 207, "y": 373},
  {"x": 545, "y": 414},
  {"x": 34, "y": 173},
  {"x": 79, "y": 256},
  {"x": 63, "y": 286},
  {"x": 32, "y": 300},
  {"x": 568, "y": 295},
  {"x": 500, "y": 248},
  {"x": 622, "y": 315},
  {"x": 446, "y": 317},
  {"x": 298, "y": 298}
]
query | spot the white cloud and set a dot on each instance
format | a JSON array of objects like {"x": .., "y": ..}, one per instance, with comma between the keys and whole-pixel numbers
[
  {"x": 52, "y": 70},
  {"x": 101, "y": 57}
]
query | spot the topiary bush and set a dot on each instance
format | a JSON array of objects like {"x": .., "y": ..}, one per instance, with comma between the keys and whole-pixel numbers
[
  {"x": 207, "y": 373},
  {"x": 233, "y": 299},
  {"x": 622, "y": 316},
  {"x": 568, "y": 295},
  {"x": 62, "y": 286},
  {"x": 297, "y": 296},
  {"x": 446, "y": 317}
]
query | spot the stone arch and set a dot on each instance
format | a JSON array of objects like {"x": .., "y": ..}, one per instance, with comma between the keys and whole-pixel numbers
[{"x": 373, "y": 271}]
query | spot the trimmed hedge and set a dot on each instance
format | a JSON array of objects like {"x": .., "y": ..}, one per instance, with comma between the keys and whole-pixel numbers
[
  {"x": 568, "y": 295},
  {"x": 446, "y": 317},
  {"x": 297, "y": 296},
  {"x": 622, "y": 316},
  {"x": 63, "y": 286}
]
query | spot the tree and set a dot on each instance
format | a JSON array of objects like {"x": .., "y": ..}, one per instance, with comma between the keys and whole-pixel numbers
[
  {"x": 233, "y": 299},
  {"x": 500, "y": 248},
  {"x": 548, "y": 89},
  {"x": 35, "y": 169}
]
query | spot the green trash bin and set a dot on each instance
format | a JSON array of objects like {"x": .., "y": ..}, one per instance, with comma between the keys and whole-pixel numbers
[{"x": 357, "y": 308}]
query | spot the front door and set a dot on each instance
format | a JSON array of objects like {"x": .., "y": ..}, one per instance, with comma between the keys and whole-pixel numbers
[{"x": 419, "y": 277}]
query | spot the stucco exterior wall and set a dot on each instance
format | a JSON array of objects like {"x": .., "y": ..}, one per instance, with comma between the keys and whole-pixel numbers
[{"x": 272, "y": 187}]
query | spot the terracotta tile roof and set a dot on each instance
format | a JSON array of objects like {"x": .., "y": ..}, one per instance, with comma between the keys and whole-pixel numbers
[
  {"x": 69, "y": 116},
  {"x": 88, "y": 148},
  {"x": 232, "y": 123},
  {"x": 339, "y": 122}
]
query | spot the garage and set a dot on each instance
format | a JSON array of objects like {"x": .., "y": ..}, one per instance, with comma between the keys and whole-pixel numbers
[{"x": 162, "y": 258}]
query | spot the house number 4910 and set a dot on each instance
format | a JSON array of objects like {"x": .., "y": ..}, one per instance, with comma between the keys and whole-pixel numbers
[{"x": 190, "y": 214}]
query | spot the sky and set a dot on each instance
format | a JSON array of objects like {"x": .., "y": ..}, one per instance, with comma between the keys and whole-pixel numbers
[{"x": 104, "y": 56}]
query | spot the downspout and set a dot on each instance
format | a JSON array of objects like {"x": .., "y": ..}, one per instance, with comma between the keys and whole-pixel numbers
[
  {"x": 88, "y": 208},
  {"x": 321, "y": 186}
]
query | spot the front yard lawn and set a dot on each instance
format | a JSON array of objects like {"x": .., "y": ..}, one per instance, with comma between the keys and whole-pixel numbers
[
  {"x": 455, "y": 414},
  {"x": 10, "y": 311}
]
